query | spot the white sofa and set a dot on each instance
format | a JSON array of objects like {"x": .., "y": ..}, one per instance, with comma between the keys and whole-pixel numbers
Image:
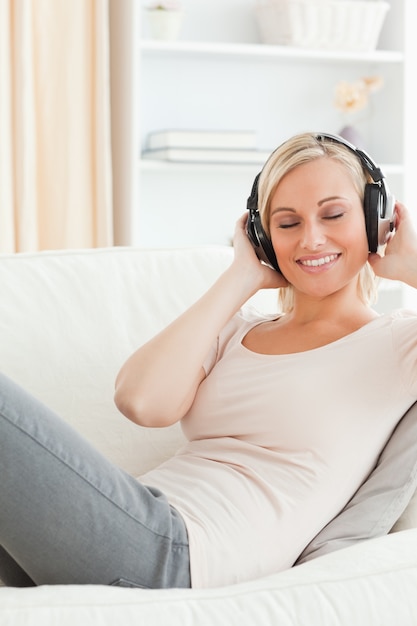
[{"x": 67, "y": 322}]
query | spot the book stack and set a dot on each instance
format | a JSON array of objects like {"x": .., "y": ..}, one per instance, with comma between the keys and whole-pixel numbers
[{"x": 204, "y": 146}]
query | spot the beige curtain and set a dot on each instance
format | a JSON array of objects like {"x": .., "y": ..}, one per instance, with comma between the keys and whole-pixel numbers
[{"x": 55, "y": 152}]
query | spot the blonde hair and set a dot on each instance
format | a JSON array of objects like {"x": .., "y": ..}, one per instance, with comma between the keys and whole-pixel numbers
[{"x": 298, "y": 150}]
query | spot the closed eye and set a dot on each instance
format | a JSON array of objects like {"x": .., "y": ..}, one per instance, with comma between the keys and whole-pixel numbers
[
  {"x": 291, "y": 225},
  {"x": 334, "y": 217}
]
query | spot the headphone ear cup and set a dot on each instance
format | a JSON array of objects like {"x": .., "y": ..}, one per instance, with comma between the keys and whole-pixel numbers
[
  {"x": 371, "y": 204},
  {"x": 260, "y": 241}
]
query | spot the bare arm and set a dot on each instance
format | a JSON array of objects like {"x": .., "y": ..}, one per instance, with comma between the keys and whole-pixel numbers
[{"x": 157, "y": 384}]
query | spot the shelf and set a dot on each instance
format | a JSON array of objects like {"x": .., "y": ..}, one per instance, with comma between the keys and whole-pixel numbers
[
  {"x": 264, "y": 52},
  {"x": 147, "y": 165},
  {"x": 276, "y": 91}
]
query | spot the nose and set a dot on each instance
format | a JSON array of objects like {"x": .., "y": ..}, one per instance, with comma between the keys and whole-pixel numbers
[{"x": 313, "y": 236}]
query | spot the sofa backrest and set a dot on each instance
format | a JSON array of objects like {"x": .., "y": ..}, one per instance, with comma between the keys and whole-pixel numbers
[{"x": 69, "y": 319}]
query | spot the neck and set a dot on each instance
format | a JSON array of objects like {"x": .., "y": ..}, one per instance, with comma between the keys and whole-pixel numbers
[{"x": 342, "y": 304}]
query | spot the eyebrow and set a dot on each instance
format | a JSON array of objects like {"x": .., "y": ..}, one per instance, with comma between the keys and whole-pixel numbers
[
  {"x": 331, "y": 198},
  {"x": 319, "y": 203}
]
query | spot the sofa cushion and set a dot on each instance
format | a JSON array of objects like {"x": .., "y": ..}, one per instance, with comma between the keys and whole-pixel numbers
[
  {"x": 382, "y": 498},
  {"x": 69, "y": 319},
  {"x": 372, "y": 584}
]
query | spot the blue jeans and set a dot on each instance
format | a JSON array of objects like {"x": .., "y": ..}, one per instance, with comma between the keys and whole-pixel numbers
[{"x": 68, "y": 516}]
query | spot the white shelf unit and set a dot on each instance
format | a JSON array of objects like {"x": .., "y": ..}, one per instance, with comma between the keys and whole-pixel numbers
[
  {"x": 251, "y": 50},
  {"x": 273, "y": 90}
]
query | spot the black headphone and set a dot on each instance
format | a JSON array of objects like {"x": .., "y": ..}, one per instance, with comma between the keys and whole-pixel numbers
[{"x": 378, "y": 206}]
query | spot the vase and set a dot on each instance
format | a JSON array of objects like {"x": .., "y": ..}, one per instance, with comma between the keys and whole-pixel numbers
[
  {"x": 164, "y": 24},
  {"x": 352, "y": 135}
]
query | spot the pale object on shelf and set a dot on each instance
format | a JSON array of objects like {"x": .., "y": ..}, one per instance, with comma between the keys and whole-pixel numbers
[
  {"x": 353, "y": 136},
  {"x": 351, "y": 97},
  {"x": 326, "y": 24},
  {"x": 188, "y": 155},
  {"x": 176, "y": 138}
]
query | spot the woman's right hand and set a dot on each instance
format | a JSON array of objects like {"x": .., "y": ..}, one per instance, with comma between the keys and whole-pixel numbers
[
  {"x": 399, "y": 261},
  {"x": 264, "y": 276}
]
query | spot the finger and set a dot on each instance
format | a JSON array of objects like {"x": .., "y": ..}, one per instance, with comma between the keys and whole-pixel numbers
[
  {"x": 242, "y": 219},
  {"x": 401, "y": 214}
]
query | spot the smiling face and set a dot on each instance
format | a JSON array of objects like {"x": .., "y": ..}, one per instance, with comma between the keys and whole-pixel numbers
[{"x": 317, "y": 228}]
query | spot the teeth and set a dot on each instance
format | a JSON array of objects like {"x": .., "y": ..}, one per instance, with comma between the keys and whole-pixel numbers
[{"x": 318, "y": 262}]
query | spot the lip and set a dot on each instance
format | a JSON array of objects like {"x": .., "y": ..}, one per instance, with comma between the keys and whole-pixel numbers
[{"x": 318, "y": 263}]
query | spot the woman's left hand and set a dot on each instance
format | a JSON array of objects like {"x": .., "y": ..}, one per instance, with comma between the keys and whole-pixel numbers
[{"x": 399, "y": 261}]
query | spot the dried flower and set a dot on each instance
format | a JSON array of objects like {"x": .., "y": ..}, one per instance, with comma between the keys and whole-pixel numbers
[{"x": 355, "y": 96}]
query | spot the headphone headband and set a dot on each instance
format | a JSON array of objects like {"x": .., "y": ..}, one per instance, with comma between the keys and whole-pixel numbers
[{"x": 373, "y": 170}]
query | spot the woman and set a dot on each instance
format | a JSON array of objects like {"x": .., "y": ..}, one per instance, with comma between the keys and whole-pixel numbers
[{"x": 285, "y": 416}]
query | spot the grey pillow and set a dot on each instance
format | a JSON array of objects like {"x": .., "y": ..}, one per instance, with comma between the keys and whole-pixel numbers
[{"x": 380, "y": 500}]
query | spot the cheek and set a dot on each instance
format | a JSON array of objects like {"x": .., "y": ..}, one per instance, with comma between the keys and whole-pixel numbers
[
  {"x": 355, "y": 238},
  {"x": 283, "y": 244}
]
